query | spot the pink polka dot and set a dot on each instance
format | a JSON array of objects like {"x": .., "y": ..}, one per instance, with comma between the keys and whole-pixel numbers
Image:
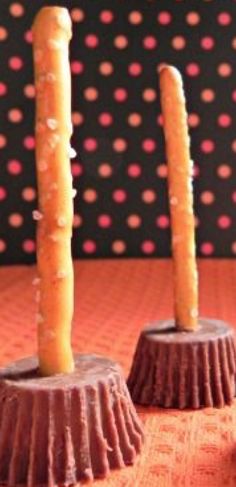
[
  {"x": 207, "y": 197},
  {"x": 234, "y": 196},
  {"x": 193, "y": 120},
  {"x": 105, "y": 170},
  {"x": 15, "y": 115},
  {"x": 178, "y": 42},
  {"x": 233, "y": 95},
  {"x": 207, "y": 146},
  {"x": 118, "y": 247},
  {"x": 207, "y": 248},
  {"x": 3, "y": 193},
  {"x": 134, "y": 221},
  {"x": 3, "y": 245},
  {"x": 3, "y": 89},
  {"x": 29, "y": 91},
  {"x": 148, "y": 196},
  {"x": 91, "y": 41},
  {"x": 90, "y": 144},
  {"x": 105, "y": 119},
  {"x": 233, "y": 247},
  {"x": 104, "y": 221},
  {"x": 106, "y": 16},
  {"x": 119, "y": 195},
  {"x": 15, "y": 63},
  {"x": 119, "y": 145},
  {"x": 163, "y": 221},
  {"x": 224, "y": 171},
  {"x": 135, "y": 69},
  {"x": 224, "y": 18},
  {"x": 134, "y": 170},
  {"x": 160, "y": 120},
  {"x": 77, "y": 221},
  {"x": 14, "y": 167},
  {"x": 77, "y": 67},
  {"x": 149, "y": 42},
  {"x": 76, "y": 169},
  {"x": 91, "y": 93},
  {"x": 193, "y": 69},
  {"x": 224, "y": 120},
  {"x": 207, "y": 43},
  {"x": 135, "y": 17},
  {"x": 28, "y": 246},
  {"x": 16, "y": 9},
  {"x": 164, "y": 18},
  {"x": 149, "y": 95},
  {"x": 162, "y": 171},
  {"x": 29, "y": 142},
  {"x": 148, "y": 247},
  {"x": 224, "y": 69},
  {"x": 77, "y": 14},
  {"x": 149, "y": 145},
  {"x": 121, "y": 42},
  {"x": 28, "y": 36},
  {"x": 3, "y": 141},
  {"x": 233, "y": 146},
  {"x": 120, "y": 95},
  {"x": 193, "y": 18},
  {"x": 224, "y": 222},
  {"x": 29, "y": 194},
  {"x": 89, "y": 246}
]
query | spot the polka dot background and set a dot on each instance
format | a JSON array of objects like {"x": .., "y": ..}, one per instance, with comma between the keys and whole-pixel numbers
[{"x": 121, "y": 207}]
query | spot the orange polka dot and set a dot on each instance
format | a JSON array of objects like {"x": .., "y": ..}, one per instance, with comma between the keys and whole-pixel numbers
[
  {"x": 134, "y": 221},
  {"x": 90, "y": 195},
  {"x": 162, "y": 170},
  {"x": 118, "y": 246},
  {"x": 91, "y": 93},
  {"x": 3, "y": 33},
  {"x": 77, "y": 118},
  {"x": 28, "y": 194},
  {"x": 134, "y": 119},
  {"x": 193, "y": 18},
  {"x": 121, "y": 42},
  {"x": 119, "y": 145},
  {"x": 207, "y": 95},
  {"x": 207, "y": 197},
  {"x": 178, "y": 42},
  {"x": 77, "y": 220},
  {"x": 29, "y": 91},
  {"x": 106, "y": 68},
  {"x": 77, "y": 14},
  {"x": 148, "y": 196},
  {"x": 233, "y": 44},
  {"x": 16, "y": 9},
  {"x": 105, "y": 170},
  {"x": 224, "y": 70},
  {"x": 3, "y": 141},
  {"x": 15, "y": 115},
  {"x": 2, "y": 245},
  {"x": 15, "y": 220},
  {"x": 224, "y": 171},
  {"x": 149, "y": 94},
  {"x": 135, "y": 17}
]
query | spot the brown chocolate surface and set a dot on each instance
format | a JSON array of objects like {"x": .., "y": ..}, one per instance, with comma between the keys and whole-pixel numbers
[
  {"x": 67, "y": 428},
  {"x": 178, "y": 369}
]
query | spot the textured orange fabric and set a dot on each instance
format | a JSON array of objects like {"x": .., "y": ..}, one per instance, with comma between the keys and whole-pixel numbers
[{"x": 114, "y": 300}]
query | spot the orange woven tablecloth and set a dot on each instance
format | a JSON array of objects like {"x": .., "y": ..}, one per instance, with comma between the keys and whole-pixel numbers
[{"x": 114, "y": 299}]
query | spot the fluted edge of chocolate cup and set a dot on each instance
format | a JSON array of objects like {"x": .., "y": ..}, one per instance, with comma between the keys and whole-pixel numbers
[
  {"x": 176, "y": 369},
  {"x": 65, "y": 429}
]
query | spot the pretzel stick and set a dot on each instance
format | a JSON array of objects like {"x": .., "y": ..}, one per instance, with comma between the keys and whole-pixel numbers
[
  {"x": 180, "y": 198},
  {"x": 51, "y": 35}
]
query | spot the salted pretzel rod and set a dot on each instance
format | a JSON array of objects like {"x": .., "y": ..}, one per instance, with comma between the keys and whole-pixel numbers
[
  {"x": 51, "y": 36},
  {"x": 180, "y": 167}
]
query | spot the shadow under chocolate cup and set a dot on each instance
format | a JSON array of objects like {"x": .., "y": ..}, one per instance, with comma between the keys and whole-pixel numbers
[
  {"x": 177, "y": 369},
  {"x": 66, "y": 428}
]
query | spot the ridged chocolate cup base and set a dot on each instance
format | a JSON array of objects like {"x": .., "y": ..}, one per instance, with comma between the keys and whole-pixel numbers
[
  {"x": 64, "y": 429},
  {"x": 175, "y": 369}
]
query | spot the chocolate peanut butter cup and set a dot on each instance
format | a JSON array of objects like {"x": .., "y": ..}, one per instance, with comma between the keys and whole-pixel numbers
[
  {"x": 66, "y": 428},
  {"x": 177, "y": 369}
]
